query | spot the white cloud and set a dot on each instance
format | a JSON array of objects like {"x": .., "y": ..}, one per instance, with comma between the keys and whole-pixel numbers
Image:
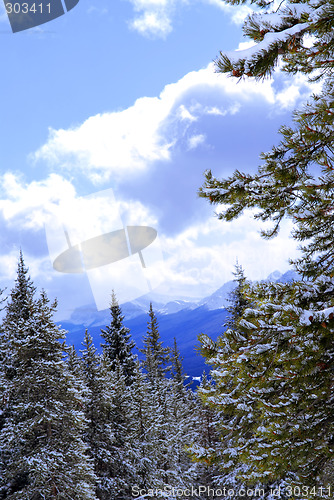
[
  {"x": 112, "y": 143},
  {"x": 206, "y": 253},
  {"x": 195, "y": 140},
  {"x": 155, "y": 17},
  {"x": 30, "y": 206},
  {"x": 30, "y": 203},
  {"x": 152, "y": 23},
  {"x": 296, "y": 89},
  {"x": 238, "y": 13},
  {"x": 200, "y": 257},
  {"x": 8, "y": 265},
  {"x": 127, "y": 142}
]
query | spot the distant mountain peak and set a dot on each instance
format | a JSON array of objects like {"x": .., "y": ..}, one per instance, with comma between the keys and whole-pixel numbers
[
  {"x": 274, "y": 276},
  {"x": 219, "y": 299}
]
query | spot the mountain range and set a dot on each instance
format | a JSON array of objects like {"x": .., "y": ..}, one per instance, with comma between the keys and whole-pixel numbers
[{"x": 183, "y": 319}]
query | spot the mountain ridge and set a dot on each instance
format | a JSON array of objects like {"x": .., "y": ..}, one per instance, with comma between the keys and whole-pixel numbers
[{"x": 183, "y": 319}]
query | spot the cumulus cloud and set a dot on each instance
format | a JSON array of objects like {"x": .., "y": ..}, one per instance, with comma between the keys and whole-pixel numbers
[
  {"x": 122, "y": 143},
  {"x": 202, "y": 255},
  {"x": 154, "y": 18},
  {"x": 195, "y": 140},
  {"x": 30, "y": 206},
  {"x": 206, "y": 253},
  {"x": 50, "y": 211}
]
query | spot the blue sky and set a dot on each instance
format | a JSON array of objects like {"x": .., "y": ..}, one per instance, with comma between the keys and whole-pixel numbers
[{"x": 121, "y": 97}]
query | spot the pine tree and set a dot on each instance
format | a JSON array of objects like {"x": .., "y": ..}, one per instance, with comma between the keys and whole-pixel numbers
[
  {"x": 283, "y": 34},
  {"x": 178, "y": 374},
  {"x": 225, "y": 401},
  {"x": 98, "y": 435},
  {"x": 157, "y": 357},
  {"x": 237, "y": 299},
  {"x": 288, "y": 354},
  {"x": 142, "y": 423},
  {"x": 3, "y": 384},
  {"x": 291, "y": 385},
  {"x": 118, "y": 346},
  {"x": 165, "y": 413},
  {"x": 123, "y": 471},
  {"x": 206, "y": 444},
  {"x": 41, "y": 446}
]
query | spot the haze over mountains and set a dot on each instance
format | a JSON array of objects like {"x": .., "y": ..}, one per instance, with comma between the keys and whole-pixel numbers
[{"x": 184, "y": 319}]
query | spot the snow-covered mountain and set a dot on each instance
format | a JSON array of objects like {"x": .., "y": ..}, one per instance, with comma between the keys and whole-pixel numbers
[
  {"x": 218, "y": 299},
  {"x": 288, "y": 276},
  {"x": 175, "y": 306},
  {"x": 183, "y": 318},
  {"x": 89, "y": 316}
]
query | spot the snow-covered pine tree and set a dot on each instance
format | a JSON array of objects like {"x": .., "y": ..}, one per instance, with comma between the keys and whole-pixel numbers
[
  {"x": 289, "y": 366},
  {"x": 97, "y": 407},
  {"x": 142, "y": 420},
  {"x": 124, "y": 451},
  {"x": 3, "y": 357},
  {"x": 111, "y": 419},
  {"x": 296, "y": 177},
  {"x": 3, "y": 384},
  {"x": 296, "y": 181},
  {"x": 205, "y": 443},
  {"x": 17, "y": 311},
  {"x": 297, "y": 32},
  {"x": 41, "y": 446},
  {"x": 118, "y": 344},
  {"x": 165, "y": 410},
  {"x": 237, "y": 299},
  {"x": 177, "y": 368},
  {"x": 226, "y": 400},
  {"x": 157, "y": 357},
  {"x": 242, "y": 362},
  {"x": 163, "y": 424},
  {"x": 183, "y": 406}
]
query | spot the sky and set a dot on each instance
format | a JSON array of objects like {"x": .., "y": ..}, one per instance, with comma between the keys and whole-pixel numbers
[{"x": 110, "y": 114}]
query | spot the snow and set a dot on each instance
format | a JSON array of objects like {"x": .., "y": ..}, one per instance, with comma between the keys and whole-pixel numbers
[
  {"x": 264, "y": 46},
  {"x": 308, "y": 316}
]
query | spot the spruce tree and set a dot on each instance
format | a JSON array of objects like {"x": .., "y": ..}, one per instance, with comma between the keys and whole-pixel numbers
[
  {"x": 97, "y": 407},
  {"x": 166, "y": 410},
  {"x": 206, "y": 444},
  {"x": 242, "y": 362},
  {"x": 237, "y": 299},
  {"x": 157, "y": 357},
  {"x": 123, "y": 471},
  {"x": 118, "y": 346},
  {"x": 41, "y": 446},
  {"x": 226, "y": 399},
  {"x": 178, "y": 374}
]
